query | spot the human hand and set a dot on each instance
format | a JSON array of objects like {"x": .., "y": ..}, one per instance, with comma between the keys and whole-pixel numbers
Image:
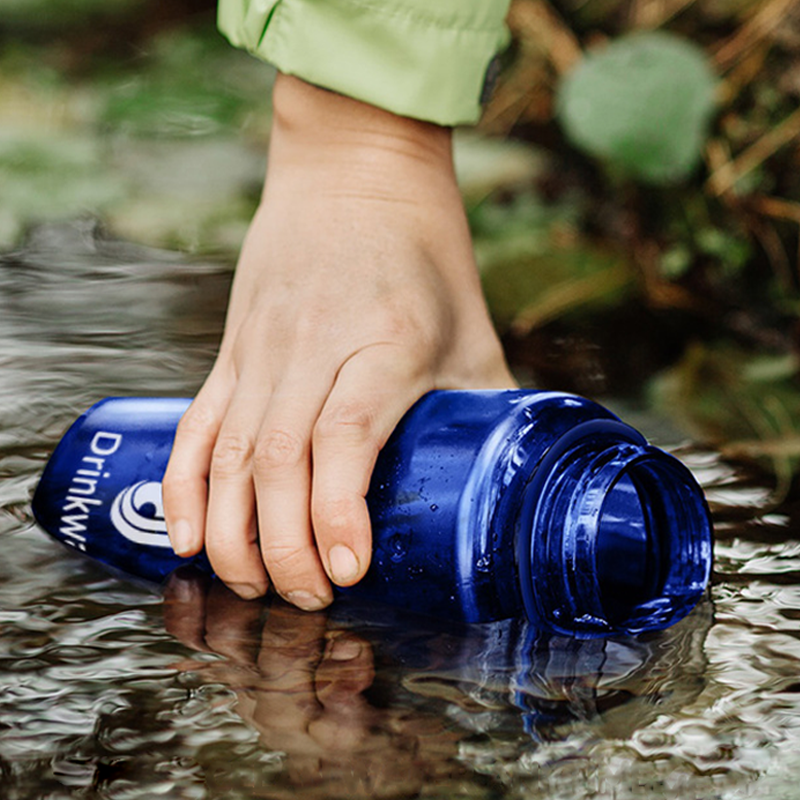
[{"x": 355, "y": 294}]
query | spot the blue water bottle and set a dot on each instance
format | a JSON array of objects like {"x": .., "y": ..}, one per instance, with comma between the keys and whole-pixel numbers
[{"x": 485, "y": 505}]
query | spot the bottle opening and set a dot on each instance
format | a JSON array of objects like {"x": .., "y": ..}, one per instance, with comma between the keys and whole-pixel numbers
[
  {"x": 622, "y": 531},
  {"x": 627, "y": 552}
]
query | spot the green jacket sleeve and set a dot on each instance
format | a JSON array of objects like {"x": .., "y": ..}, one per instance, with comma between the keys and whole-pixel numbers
[{"x": 426, "y": 59}]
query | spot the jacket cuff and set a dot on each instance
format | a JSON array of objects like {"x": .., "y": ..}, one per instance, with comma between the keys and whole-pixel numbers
[{"x": 430, "y": 60}]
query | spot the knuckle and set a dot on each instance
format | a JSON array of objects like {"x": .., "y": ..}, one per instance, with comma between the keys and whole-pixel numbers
[
  {"x": 335, "y": 515},
  {"x": 232, "y": 455},
  {"x": 401, "y": 328},
  {"x": 196, "y": 421},
  {"x": 308, "y": 325},
  {"x": 315, "y": 322},
  {"x": 230, "y": 574},
  {"x": 175, "y": 485},
  {"x": 277, "y": 449},
  {"x": 285, "y": 559},
  {"x": 222, "y": 567},
  {"x": 407, "y": 323},
  {"x": 231, "y": 564},
  {"x": 353, "y": 420}
]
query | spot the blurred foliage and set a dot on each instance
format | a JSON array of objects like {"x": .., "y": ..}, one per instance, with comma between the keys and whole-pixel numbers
[
  {"x": 670, "y": 130},
  {"x": 136, "y": 112},
  {"x": 190, "y": 87},
  {"x": 719, "y": 390},
  {"x": 642, "y": 104},
  {"x": 30, "y": 12},
  {"x": 536, "y": 268}
]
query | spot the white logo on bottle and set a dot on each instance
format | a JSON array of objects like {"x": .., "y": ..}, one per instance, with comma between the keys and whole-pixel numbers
[{"x": 129, "y": 517}]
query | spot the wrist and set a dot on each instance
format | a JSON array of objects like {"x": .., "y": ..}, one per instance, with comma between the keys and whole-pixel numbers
[{"x": 326, "y": 132}]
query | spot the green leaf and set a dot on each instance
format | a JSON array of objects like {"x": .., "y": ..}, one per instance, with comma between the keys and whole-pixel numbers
[{"x": 642, "y": 104}]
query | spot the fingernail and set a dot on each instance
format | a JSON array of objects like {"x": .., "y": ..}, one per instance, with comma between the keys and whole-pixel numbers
[
  {"x": 345, "y": 649},
  {"x": 247, "y": 591},
  {"x": 343, "y": 564},
  {"x": 305, "y": 600},
  {"x": 180, "y": 534}
]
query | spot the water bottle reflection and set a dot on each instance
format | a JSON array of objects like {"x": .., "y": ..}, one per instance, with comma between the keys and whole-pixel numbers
[{"x": 367, "y": 702}]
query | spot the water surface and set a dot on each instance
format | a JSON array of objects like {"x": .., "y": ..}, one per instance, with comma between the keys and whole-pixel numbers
[{"x": 116, "y": 689}]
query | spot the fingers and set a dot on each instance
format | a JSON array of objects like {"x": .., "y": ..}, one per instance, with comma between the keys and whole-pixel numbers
[
  {"x": 282, "y": 472},
  {"x": 185, "y": 483},
  {"x": 372, "y": 392},
  {"x": 231, "y": 535},
  {"x": 249, "y": 466}
]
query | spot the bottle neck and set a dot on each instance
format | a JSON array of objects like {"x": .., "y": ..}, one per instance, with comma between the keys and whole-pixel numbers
[{"x": 621, "y": 531}]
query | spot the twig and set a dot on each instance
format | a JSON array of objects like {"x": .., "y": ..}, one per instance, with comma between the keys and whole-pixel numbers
[
  {"x": 760, "y": 26},
  {"x": 742, "y": 75},
  {"x": 773, "y": 247},
  {"x": 781, "y": 446},
  {"x": 724, "y": 178},
  {"x": 568, "y": 295},
  {"x": 535, "y": 21},
  {"x": 779, "y": 208},
  {"x": 649, "y": 14},
  {"x": 548, "y": 48}
]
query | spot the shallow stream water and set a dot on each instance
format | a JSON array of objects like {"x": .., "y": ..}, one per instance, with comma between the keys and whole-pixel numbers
[{"x": 116, "y": 689}]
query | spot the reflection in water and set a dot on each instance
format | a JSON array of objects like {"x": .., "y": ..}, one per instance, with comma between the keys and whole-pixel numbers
[
  {"x": 109, "y": 691},
  {"x": 367, "y": 702}
]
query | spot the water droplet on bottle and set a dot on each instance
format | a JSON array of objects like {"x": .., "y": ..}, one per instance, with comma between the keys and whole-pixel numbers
[
  {"x": 434, "y": 507},
  {"x": 483, "y": 564},
  {"x": 397, "y": 548}
]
